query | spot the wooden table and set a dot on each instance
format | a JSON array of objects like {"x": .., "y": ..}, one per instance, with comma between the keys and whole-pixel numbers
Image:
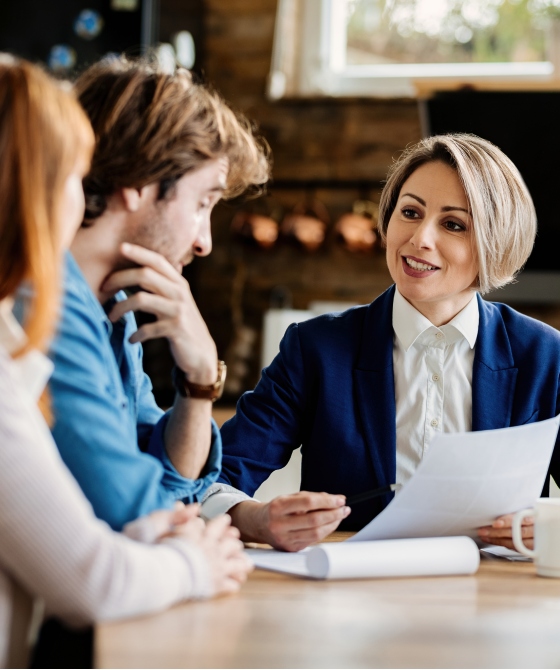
[{"x": 504, "y": 616}]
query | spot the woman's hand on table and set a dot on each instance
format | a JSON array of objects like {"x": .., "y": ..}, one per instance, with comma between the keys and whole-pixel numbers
[
  {"x": 161, "y": 523},
  {"x": 500, "y": 532},
  {"x": 218, "y": 540},
  {"x": 290, "y": 522}
]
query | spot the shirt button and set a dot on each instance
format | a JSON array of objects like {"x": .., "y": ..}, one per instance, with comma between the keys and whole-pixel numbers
[
  {"x": 439, "y": 336},
  {"x": 435, "y": 378},
  {"x": 434, "y": 422}
]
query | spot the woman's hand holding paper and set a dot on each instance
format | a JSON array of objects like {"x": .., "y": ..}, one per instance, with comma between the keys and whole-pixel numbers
[{"x": 500, "y": 532}]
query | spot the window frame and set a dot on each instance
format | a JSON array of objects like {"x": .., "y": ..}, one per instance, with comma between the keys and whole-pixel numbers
[{"x": 322, "y": 70}]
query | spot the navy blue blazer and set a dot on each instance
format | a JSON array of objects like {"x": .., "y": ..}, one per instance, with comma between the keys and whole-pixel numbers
[{"x": 331, "y": 390}]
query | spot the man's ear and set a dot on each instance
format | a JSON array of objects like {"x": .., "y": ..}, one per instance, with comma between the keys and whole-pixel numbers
[
  {"x": 131, "y": 198},
  {"x": 136, "y": 198}
]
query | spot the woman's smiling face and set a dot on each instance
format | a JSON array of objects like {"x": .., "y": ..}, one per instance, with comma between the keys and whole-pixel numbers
[{"x": 430, "y": 243}]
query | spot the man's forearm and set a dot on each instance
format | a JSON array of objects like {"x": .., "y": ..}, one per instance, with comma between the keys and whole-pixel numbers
[{"x": 188, "y": 435}]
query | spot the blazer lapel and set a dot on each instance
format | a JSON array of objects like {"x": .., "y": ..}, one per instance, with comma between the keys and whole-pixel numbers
[
  {"x": 494, "y": 372},
  {"x": 375, "y": 388}
]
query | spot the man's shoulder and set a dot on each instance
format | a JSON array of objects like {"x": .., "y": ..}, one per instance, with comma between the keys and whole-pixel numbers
[
  {"x": 81, "y": 333},
  {"x": 81, "y": 310}
]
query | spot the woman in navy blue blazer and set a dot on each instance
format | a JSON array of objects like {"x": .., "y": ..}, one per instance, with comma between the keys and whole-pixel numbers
[{"x": 364, "y": 391}]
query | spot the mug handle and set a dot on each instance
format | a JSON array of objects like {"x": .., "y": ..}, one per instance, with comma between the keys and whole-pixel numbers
[{"x": 516, "y": 532}]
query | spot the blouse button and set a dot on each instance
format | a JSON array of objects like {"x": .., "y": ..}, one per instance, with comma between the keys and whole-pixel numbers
[
  {"x": 434, "y": 422},
  {"x": 439, "y": 336},
  {"x": 435, "y": 378}
]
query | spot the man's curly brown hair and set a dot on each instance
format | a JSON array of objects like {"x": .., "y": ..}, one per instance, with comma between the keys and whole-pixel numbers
[{"x": 153, "y": 127}]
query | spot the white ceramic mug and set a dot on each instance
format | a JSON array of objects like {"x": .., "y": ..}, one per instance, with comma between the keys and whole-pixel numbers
[{"x": 547, "y": 536}]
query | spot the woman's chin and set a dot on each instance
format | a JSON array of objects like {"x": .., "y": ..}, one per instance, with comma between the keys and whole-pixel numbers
[{"x": 414, "y": 289}]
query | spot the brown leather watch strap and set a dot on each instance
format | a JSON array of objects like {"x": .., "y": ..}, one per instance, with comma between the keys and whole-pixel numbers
[{"x": 188, "y": 389}]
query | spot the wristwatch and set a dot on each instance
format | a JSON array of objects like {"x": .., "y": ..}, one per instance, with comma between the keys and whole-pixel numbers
[{"x": 188, "y": 389}]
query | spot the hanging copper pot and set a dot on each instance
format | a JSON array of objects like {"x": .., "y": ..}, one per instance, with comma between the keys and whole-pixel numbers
[
  {"x": 357, "y": 230},
  {"x": 256, "y": 229},
  {"x": 306, "y": 225}
]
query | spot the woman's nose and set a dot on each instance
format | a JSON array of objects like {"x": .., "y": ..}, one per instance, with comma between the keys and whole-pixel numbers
[{"x": 424, "y": 235}]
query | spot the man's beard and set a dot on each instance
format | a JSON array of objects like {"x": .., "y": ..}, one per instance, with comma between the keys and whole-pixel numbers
[{"x": 153, "y": 234}]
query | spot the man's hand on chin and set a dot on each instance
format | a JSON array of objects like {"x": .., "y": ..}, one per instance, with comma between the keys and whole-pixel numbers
[{"x": 165, "y": 294}]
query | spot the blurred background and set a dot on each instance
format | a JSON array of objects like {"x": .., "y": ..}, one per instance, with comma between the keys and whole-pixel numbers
[{"x": 338, "y": 88}]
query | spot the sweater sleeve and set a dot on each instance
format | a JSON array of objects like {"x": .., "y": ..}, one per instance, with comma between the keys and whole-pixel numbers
[{"x": 51, "y": 542}]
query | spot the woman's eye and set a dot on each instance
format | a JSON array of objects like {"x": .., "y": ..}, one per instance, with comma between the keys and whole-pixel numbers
[
  {"x": 454, "y": 226},
  {"x": 409, "y": 213}
]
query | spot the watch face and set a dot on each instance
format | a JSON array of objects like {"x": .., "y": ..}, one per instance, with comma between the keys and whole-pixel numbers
[{"x": 190, "y": 390}]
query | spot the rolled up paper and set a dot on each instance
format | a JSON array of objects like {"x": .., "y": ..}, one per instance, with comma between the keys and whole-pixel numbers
[{"x": 418, "y": 557}]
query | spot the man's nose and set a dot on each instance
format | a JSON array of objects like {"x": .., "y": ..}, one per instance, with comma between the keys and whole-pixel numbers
[{"x": 203, "y": 242}]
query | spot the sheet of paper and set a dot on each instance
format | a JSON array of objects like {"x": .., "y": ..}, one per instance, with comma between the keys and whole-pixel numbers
[
  {"x": 385, "y": 558},
  {"x": 504, "y": 552},
  {"x": 466, "y": 480},
  {"x": 280, "y": 561}
]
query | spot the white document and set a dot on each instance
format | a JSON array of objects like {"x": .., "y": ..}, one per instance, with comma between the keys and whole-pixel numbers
[
  {"x": 280, "y": 561},
  {"x": 385, "y": 558},
  {"x": 504, "y": 552},
  {"x": 466, "y": 480}
]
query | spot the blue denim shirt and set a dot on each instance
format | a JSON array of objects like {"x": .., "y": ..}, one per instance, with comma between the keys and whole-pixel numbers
[{"x": 108, "y": 427}]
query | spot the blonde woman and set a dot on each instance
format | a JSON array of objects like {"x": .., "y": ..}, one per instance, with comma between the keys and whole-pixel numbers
[
  {"x": 365, "y": 391},
  {"x": 51, "y": 545}
]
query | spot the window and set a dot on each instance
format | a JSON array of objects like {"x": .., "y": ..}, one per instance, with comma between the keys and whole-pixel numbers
[{"x": 389, "y": 47}]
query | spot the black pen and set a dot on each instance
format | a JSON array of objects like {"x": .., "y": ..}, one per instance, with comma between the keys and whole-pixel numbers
[{"x": 374, "y": 493}]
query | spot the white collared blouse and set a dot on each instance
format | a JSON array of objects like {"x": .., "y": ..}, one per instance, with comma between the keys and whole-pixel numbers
[{"x": 432, "y": 368}]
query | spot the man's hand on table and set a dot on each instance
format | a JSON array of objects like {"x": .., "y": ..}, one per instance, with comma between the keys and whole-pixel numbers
[
  {"x": 290, "y": 522},
  {"x": 500, "y": 532}
]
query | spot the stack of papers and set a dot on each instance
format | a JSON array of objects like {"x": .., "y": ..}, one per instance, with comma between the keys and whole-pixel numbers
[{"x": 464, "y": 482}]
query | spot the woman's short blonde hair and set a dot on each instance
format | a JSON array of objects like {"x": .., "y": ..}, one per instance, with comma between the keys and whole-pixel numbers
[{"x": 503, "y": 214}]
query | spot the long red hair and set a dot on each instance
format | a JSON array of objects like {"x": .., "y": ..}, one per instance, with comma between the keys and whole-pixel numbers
[{"x": 43, "y": 134}]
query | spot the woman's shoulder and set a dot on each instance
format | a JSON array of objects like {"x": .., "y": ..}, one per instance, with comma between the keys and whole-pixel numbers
[
  {"x": 523, "y": 330},
  {"x": 348, "y": 318},
  {"x": 354, "y": 319}
]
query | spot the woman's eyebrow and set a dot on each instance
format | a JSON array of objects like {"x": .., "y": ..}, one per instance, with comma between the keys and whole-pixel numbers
[
  {"x": 443, "y": 209},
  {"x": 451, "y": 209},
  {"x": 416, "y": 197}
]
